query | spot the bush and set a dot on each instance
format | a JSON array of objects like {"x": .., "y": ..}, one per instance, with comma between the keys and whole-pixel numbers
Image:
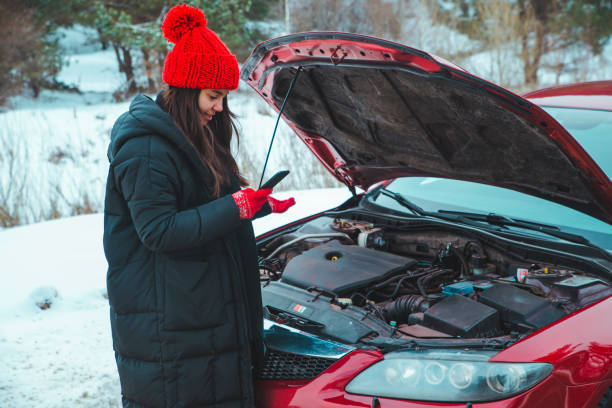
[{"x": 29, "y": 59}]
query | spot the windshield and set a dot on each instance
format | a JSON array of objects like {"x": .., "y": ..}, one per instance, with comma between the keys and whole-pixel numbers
[{"x": 592, "y": 129}]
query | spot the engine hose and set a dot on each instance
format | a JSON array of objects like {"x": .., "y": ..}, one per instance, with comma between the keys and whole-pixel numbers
[
  {"x": 399, "y": 309},
  {"x": 401, "y": 278},
  {"x": 408, "y": 275},
  {"x": 398, "y": 286},
  {"x": 464, "y": 266},
  {"x": 424, "y": 280}
]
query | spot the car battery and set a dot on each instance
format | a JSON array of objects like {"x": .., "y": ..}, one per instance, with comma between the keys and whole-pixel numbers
[{"x": 462, "y": 317}]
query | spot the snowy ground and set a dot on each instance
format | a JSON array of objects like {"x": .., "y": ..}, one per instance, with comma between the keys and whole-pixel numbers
[{"x": 62, "y": 356}]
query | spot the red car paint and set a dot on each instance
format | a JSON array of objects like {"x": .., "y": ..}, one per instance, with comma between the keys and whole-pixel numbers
[
  {"x": 579, "y": 346},
  {"x": 587, "y": 95},
  {"x": 582, "y": 370}
]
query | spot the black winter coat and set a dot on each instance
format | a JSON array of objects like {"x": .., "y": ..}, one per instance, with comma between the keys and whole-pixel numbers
[{"x": 183, "y": 284}]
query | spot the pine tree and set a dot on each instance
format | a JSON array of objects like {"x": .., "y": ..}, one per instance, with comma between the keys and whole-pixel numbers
[{"x": 132, "y": 28}]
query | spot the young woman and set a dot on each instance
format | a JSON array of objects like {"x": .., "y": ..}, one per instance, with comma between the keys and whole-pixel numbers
[{"x": 183, "y": 283}]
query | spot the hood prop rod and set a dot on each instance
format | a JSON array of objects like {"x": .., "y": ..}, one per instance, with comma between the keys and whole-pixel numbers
[{"x": 276, "y": 125}]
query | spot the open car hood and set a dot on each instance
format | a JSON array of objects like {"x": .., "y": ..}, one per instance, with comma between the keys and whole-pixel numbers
[{"x": 371, "y": 110}]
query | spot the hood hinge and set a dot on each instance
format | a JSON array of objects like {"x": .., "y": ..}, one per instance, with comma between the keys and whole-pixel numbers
[{"x": 343, "y": 174}]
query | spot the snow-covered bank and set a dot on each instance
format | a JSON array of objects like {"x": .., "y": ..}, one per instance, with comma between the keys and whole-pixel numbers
[{"x": 62, "y": 356}]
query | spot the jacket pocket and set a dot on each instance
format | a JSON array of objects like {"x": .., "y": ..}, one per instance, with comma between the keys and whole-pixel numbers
[{"x": 191, "y": 295}]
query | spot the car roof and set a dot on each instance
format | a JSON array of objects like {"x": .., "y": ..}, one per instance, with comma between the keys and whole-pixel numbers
[{"x": 585, "y": 95}]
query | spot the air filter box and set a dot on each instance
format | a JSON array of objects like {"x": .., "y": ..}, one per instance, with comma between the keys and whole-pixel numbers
[
  {"x": 519, "y": 307},
  {"x": 462, "y": 317}
]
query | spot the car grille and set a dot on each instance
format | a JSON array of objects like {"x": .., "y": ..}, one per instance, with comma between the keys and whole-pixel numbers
[{"x": 288, "y": 366}]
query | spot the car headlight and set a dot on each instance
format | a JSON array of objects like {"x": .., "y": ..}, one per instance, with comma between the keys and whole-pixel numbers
[{"x": 447, "y": 376}]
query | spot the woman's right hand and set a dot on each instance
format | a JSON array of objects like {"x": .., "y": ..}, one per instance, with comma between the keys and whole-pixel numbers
[{"x": 250, "y": 201}]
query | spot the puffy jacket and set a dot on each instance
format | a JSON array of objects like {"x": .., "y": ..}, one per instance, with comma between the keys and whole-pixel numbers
[{"x": 183, "y": 283}]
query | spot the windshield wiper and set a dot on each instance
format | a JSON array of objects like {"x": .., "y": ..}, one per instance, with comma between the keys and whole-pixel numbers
[
  {"x": 400, "y": 199},
  {"x": 502, "y": 220},
  {"x": 404, "y": 202},
  {"x": 476, "y": 220},
  {"x": 554, "y": 231}
]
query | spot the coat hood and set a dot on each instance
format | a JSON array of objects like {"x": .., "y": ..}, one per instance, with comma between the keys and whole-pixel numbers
[
  {"x": 145, "y": 118},
  {"x": 372, "y": 110}
]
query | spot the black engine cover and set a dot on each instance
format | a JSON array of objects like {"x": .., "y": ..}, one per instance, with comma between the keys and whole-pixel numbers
[
  {"x": 519, "y": 307},
  {"x": 316, "y": 314},
  {"x": 342, "y": 269}
]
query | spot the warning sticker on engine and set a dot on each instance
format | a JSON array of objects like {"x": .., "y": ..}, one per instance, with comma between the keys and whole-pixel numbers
[
  {"x": 299, "y": 308},
  {"x": 521, "y": 274}
]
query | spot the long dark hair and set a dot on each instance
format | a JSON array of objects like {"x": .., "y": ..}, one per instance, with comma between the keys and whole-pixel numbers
[{"x": 212, "y": 141}]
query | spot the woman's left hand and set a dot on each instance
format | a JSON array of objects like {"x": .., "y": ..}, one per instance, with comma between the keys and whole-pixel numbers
[{"x": 280, "y": 206}]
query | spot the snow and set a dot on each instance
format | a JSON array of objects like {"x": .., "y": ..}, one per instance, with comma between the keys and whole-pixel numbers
[
  {"x": 93, "y": 72},
  {"x": 62, "y": 355},
  {"x": 78, "y": 39}
]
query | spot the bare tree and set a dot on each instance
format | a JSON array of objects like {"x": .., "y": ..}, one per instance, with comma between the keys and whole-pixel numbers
[{"x": 535, "y": 28}]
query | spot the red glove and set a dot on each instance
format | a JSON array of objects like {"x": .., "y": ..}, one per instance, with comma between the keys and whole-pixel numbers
[
  {"x": 249, "y": 201},
  {"x": 280, "y": 206}
]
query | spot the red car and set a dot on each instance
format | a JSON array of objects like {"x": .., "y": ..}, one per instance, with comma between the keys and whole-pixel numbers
[{"x": 475, "y": 269}]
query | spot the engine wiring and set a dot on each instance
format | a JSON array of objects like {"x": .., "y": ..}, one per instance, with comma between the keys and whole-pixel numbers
[{"x": 426, "y": 283}]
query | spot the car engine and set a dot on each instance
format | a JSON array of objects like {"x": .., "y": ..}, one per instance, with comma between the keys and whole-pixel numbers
[{"x": 354, "y": 280}]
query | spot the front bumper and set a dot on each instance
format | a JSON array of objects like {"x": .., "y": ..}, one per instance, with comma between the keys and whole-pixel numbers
[{"x": 327, "y": 391}]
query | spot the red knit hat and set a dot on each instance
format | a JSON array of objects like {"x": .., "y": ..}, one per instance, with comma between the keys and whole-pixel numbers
[{"x": 199, "y": 59}]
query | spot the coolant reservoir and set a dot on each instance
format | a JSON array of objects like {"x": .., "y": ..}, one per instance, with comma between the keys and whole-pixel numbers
[{"x": 478, "y": 264}]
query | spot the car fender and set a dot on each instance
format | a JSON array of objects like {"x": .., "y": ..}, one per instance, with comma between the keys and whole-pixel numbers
[{"x": 579, "y": 346}]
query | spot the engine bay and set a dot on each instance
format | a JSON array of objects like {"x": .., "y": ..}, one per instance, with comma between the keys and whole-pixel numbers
[{"x": 355, "y": 280}]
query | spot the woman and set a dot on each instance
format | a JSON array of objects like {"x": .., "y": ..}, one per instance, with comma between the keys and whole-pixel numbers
[{"x": 183, "y": 283}]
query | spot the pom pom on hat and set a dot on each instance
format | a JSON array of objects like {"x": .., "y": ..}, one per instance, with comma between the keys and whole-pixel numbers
[{"x": 180, "y": 20}]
